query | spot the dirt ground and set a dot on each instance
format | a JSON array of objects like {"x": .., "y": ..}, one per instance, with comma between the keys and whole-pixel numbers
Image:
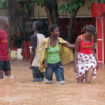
[{"x": 22, "y": 91}]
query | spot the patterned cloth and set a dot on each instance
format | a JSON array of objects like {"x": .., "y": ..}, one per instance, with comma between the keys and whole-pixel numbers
[{"x": 84, "y": 63}]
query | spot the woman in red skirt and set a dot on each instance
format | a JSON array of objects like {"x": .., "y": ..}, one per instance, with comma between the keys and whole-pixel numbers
[{"x": 85, "y": 60}]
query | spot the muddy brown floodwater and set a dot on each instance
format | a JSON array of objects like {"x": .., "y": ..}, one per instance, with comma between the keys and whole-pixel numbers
[{"x": 22, "y": 91}]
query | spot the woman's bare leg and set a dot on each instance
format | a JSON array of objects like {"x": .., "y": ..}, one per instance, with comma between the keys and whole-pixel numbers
[
  {"x": 1, "y": 74},
  {"x": 80, "y": 79},
  {"x": 89, "y": 74}
]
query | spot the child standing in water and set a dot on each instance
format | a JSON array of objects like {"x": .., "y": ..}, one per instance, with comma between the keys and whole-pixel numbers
[
  {"x": 85, "y": 60},
  {"x": 4, "y": 57},
  {"x": 54, "y": 52},
  {"x": 36, "y": 40}
]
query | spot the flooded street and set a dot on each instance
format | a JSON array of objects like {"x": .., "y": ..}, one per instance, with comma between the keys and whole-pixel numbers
[{"x": 22, "y": 91}]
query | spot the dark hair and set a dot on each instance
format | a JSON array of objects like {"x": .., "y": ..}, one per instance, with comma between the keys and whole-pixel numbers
[
  {"x": 91, "y": 29},
  {"x": 52, "y": 27},
  {"x": 2, "y": 19},
  {"x": 38, "y": 25},
  {"x": 41, "y": 27}
]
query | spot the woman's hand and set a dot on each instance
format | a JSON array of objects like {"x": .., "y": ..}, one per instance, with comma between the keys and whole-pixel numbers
[
  {"x": 72, "y": 46},
  {"x": 45, "y": 64},
  {"x": 30, "y": 66}
]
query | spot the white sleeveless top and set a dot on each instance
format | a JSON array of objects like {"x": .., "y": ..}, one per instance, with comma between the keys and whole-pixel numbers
[{"x": 40, "y": 38}]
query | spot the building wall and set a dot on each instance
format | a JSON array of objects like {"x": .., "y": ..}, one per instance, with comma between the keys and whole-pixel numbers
[
  {"x": 84, "y": 11},
  {"x": 40, "y": 11}
]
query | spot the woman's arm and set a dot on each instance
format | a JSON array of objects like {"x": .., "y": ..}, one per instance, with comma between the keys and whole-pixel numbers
[
  {"x": 32, "y": 55},
  {"x": 95, "y": 57},
  {"x": 33, "y": 44},
  {"x": 77, "y": 44},
  {"x": 45, "y": 63},
  {"x": 72, "y": 46},
  {"x": 65, "y": 43}
]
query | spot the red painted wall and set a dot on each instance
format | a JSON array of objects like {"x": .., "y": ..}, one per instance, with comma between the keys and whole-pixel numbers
[
  {"x": 104, "y": 36},
  {"x": 99, "y": 39},
  {"x": 98, "y": 11}
]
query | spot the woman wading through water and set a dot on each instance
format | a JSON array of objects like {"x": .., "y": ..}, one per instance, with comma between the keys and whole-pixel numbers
[
  {"x": 85, "y": 59},
  {"x": 54, "y": 52}
]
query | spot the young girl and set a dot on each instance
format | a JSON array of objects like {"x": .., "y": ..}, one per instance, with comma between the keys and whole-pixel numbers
[
  {"x": 85, "y": 60},
  {"x": 53, "y": 53}
]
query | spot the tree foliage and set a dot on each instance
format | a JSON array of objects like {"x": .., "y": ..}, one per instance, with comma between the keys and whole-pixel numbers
[
  {"x": 51, "y": 7},
  {"x": 71, "y": 5},
  {"x": 43, "y": 3},
  {"x": 19, "y": 13},
  {"x": 99, "y": 1},
  {"x": 4, "y": 4}
]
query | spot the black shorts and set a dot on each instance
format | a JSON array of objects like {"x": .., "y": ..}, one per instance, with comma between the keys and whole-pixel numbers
[{"x": 5, "y": 65}]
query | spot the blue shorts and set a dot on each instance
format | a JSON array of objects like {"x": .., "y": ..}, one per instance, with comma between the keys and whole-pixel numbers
[{"x": 5, "y": 65}]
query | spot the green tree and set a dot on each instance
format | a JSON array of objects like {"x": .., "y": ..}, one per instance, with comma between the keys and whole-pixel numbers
[
  {"x": 4, "y": 4},
  {"x": 72, "y": 7},
  {"x": 99, "y": 1},
  {"x": 51, "y": 7},
  {"x": 19, "y": 12}
]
